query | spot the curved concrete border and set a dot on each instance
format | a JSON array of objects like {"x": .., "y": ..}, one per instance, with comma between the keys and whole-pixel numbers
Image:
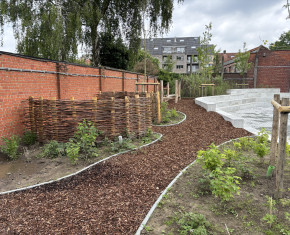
[
  {"x": 75, "y": 173},
  {"x": 144, "y": 222},
  {"x": 174, "y": 123}
]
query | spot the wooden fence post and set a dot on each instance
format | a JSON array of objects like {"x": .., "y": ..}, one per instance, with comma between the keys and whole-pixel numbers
[
  {"x": 161, "y": 90},
  {"x": 167, "y": 88},
  {"x": 176, "y": 91},
  {"x": 138, "y": 114},
  {"x": 95, "y": 106},
  {"x": 179, "y": 89},
  {"x": 275, "y": 127},
  {"x": 32, "y": 115},
  {"x": 158, "y": 108},
  {"x": 54, "y": 119},
  {"x": 113, "y": 118},
  {"x": 73, "y": 108},
  {"x": 282, "y": 150},
  {"x": 127, "y": 113},
  {"x": 153, "y": 109},
  {"x": 148, "y": 111},
  {"x": 41, "y": 120}
]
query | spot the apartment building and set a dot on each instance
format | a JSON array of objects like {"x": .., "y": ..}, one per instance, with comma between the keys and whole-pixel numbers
[{"x": 179, "y": 51}]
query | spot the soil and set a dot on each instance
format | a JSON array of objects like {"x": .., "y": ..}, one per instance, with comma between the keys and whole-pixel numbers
[
  {"x": 114, "y": 196},
  {"x": 241, "y": 215}
]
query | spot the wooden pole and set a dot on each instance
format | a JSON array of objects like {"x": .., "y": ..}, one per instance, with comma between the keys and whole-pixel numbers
[
  {"x": 275, "y": 127},
  {"x": 123, "y": 81},
  {"x": 113, "y": 118},
  {"x": 73, "y": 108},
  {"x": 127, "y": 113},
  {"x": 158, "y": 108},
  {"x": 153, "y": 104},
  {"x": 167, "y": 88},
  {"x": 32, "y": 115},
  {"x": 54, "y": 119},
  {"x": 138, "y": 114},
  {"x": 161, "y": 90},
  {"x": 41, "y": 120},
  {"x": 95, "y": 101},
  {"x": 148, "y": 111},
  {"x": 176, "y": 91},
  {"x": 282, "y": 151},
  {"x": 179, "y": 89}
]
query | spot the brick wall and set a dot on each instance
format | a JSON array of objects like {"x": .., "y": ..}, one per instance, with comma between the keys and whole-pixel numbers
[{"x": 39, "y": 78}]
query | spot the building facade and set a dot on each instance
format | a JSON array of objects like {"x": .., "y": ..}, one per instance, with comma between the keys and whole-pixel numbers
[{"x": 179, "y": 52}]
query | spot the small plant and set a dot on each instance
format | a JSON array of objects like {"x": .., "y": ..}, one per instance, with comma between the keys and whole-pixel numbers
[
  {"x": 192, "y": 223},
  {"x": 149, "y": 132},
  {"x": 72, "y": 151},
  {"x": 261, "y": 149},
  {"x": 29, "y": 138},
  {"x": 287, "y": 149},
  {"x": 246, "y": 172},
  {"x": 174, "y": 113},
  {"x": 263, "y": 136},
  {"x": 237, "y": 145},
  {"x": 204, "y": 185},
  {"x": 224, "y": 183},
  {"x": 246, "y": 143},
  {"x": 230, "y": 156},
  {"x": 210, "y": 159},
  {"x": 11, "y": 146},
  {"x": 52, "y": 149}
]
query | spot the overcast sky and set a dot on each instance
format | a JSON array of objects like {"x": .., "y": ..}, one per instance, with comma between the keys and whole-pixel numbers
[{"x": 234, "y": 22}]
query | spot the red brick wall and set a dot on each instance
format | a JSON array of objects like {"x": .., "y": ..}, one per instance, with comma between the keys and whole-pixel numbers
[{"x": 16, "y": 86}]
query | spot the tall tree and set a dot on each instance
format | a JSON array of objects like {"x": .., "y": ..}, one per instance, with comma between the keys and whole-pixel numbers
[
  {"x": 55, "y": 28},
  {"x": 283, "y": 43}
]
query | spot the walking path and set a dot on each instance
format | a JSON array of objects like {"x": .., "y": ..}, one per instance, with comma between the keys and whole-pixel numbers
[{"x": 113, "y": 197}]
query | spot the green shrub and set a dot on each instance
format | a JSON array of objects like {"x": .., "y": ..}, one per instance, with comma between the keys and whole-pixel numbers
[
  {"x": 11, "y": 146},
  {"x": 192, "y": 223},
  {"x": 210, "y": 159},
  {"x": 263, "y": 136},
  {"x": 246, "y": 143},
  {"x": 237, "y": 145},
  {"x": 230, "y": 156},
  {"x": 52, "y": 149},
  {"x": 72, "y": 151},
  {"x": 261, "y": 149},
  {"x": 118, "y": 147},
  {"x": 174, "y": 113},
  {"x": 224, "y": 184},
  {"x": 29, "y": 138}
]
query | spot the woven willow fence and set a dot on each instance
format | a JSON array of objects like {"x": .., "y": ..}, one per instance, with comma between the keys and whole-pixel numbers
[{"x": 112, "y": 113}]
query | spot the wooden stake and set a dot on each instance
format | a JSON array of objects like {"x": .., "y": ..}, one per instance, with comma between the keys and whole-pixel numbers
[
  {"x": 32, "y": 115},
  {"x": 179, "y": 89},
  {"x": 275, "y": 127},
  {"x": 41, "y": 120},
  {"x": 113, "y": 118},
  {"x": 167, "y": 88},
  {"x": 148, "y": 111},
  {"x": 282, "y": 151},
  {"x": 158, "y": 108},
  {"x": 176, "y": 91},
  {"x": 54, "y": 119},
  {"x": 74, "y": 113},
  {"x": 95, "y": 101},
  {"x": 138, "y": 114},
  {"x": 127, "y": 113},
  {"x": 161, "y": 90}
]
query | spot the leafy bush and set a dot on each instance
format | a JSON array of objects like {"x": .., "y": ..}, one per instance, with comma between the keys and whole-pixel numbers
[
  {"x": 263, "y": 136},
  {"x": 11, "y": 146},
  {"x": 261, "y": 149},
  {"x": 246, "y": 173},
  {"x": 237, "y": 145},
  {"x": 29, "y": 138},
  {"x": 53, "y": 149},
  {"x": 246, "y": 143},
  {"x": 72, "y": 151},
  {"x": 192, "y": 223},
  {"x": 230, "y": 156},
  {"x": 118, "y": 147},
  {"x": 210, "y": 159},
  {"x": 224, "y": 183},
  {"x": 174, "y": 113},
  {"x": 204, "y": 185}
]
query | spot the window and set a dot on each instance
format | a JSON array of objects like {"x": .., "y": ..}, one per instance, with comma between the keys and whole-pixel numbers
[
  {"x": 180, "y": 49},
  {"x": 168, "y": 40},
  {"x": 181, "y": 40},
  {"x": 193, "y": 47},
  {"x": 167, "y": 50},
  {"x": 155, "y": 48},
  {"x": 179, "y": 57},
  {"x": 151, "y": 39},
  {"x": 179, "y": 66}
]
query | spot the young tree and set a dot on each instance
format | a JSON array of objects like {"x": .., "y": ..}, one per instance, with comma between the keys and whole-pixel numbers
[
  {"x": 54, "y": 28},
  {"x": 206, "y": 53},
  {"x": 152, "y": 64},
  {"x": 283, "y": 43},
  {"x": 242, "y": 62}
]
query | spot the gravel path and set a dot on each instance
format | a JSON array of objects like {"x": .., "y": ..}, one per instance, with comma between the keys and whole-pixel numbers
[{"x": 113, "y": 197}]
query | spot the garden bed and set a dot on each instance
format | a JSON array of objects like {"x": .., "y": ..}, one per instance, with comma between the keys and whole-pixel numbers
[
  {"x": 188, "y": 207},
  {"x": 113, "y": 197}
]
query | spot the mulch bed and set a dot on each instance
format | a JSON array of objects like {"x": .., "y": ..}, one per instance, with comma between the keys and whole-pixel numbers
[{"x": 114, "y": 197}]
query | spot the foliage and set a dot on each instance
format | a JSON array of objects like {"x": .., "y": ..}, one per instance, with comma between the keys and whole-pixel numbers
[
  {"x": 85, "y": 137},
  {"x": 206, "y": 53},
  {"x": 263, "y": 136},
  {"x": 29, "y": 138},
  {"x": 283, "y": 43},
  {"x": 224, "y": 183},
  {"x": 152, "y": 64},
  {"x": 11, "y": 146},
  {"x": 117, "y": 146},
  {"x": 166, "y": 113},
  {"x": 287, "y": 149},
  {"x": 246, "y": 172},
  {"x": 242, "y": 63},
  {"x": 211, "y": 159},
  {"x": 237, "y": 145},
  {"x": 52, "y": 149},
  {"x": 192, "y": 223},
  {"x": 54, "y": 29},
  {"x": 261, "y": 149},
  {"x": 72, "y": 151},
  {"x": 246, "y": 143},
  {"x": 230, "y": 156}
]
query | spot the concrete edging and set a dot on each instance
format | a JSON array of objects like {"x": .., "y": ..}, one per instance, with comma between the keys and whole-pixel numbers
[{"x": 85, "y": 168}]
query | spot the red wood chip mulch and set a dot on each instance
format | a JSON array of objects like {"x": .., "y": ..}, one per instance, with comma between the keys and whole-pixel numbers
[{"x": 114, "y": 197}]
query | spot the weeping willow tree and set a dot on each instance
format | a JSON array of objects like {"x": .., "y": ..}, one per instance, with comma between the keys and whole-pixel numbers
[{"x": 55, "y": 28}]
